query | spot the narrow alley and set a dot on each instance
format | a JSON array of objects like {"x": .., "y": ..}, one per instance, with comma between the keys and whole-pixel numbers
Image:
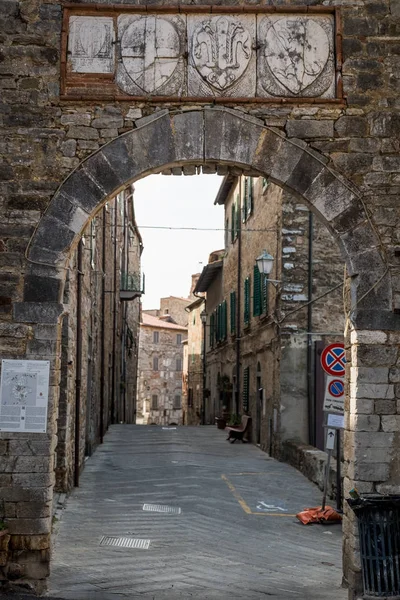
[{"x": 230, "y": 531}]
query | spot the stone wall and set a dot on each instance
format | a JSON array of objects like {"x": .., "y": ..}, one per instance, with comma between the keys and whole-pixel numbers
[{"x": 193, "y": 396}]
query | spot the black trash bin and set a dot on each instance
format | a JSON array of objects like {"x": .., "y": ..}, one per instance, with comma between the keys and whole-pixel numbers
[{"x": 379, "y": 529}]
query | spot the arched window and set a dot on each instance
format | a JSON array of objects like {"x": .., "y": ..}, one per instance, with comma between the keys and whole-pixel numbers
[{"x": 155, "y": 363}]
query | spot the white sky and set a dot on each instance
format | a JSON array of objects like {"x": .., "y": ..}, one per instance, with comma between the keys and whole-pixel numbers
[{"x": 170, "y": 257}]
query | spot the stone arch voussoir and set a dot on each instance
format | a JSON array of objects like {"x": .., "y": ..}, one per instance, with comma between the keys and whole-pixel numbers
[{"x": 209, "y": 136}]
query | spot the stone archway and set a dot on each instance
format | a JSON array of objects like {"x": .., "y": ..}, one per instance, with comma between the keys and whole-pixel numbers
[{"x": 215, "y": 136}]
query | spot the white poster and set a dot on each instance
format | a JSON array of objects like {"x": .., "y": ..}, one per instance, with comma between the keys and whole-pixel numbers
[{"x": 24, "y": 395}]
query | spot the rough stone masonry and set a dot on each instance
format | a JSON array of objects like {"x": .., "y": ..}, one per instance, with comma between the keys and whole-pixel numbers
[{"x": 83, "y": 115}]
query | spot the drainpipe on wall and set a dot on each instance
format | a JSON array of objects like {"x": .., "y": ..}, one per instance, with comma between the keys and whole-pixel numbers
[
  {"x": 113, "y": 399},
  {"x": 78, "y": 360},
  {"x": 239, "y": 285},
  {"x": 103, "y": 328},
  {"x": 310, "y": 386}
]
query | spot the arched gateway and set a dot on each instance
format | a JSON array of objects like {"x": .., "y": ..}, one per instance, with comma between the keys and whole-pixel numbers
[{"x": 209, "y": 137}]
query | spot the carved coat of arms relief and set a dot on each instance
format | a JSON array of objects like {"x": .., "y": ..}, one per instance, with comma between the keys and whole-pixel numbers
[
  {"x": 221, "y": 56},
  {"x": 296, "y": 56},
  {"x": 208, "y": 55},
  {"x": 151, "y": 54}
]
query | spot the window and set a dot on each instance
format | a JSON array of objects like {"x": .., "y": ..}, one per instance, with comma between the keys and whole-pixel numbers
[
  {"x": 246, "y": 307},
  {"x": 155, "y": 363},
  {"x": 193, "y": 354},
  {"x": 247, "y": 204},
  {"x": 246, "y": 389},
  {"x": 166, "y": 311},
  {"x": 179, "y": 364},
  {"x": 154, "y": 402},
  {"x": 177, "y": 401},
  {"x": 233, "y": 219},
  {"x": 212, "y": 329},
  {"x": 220, "y": 320},
  {"x": 156, "y": 337},
  {"x": 226, "y": 233},
  {"x": 257, "y": 292},
  {"x": 178, "y": 339},
  {"x": 233, "y": 311},
  {"x": 190, "y": 398}
]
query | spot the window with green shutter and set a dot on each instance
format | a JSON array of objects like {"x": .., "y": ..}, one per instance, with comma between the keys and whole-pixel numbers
[
  {"x": 237, "y": 211},
  {"x": 233, "y": 311},
  {"x": 257, "y": 292},
  {"x": 264, "y": 290},
  {"x": 246, "y": 307},
  {"x": 224, "y": 320},
  {"x": 246, "y": 389},
  {"x": 212, "y": 327}
]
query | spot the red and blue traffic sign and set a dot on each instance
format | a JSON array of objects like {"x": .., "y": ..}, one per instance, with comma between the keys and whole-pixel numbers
[
  {"x": 336, "y": 388},
  {"x": 333, "y": 359}
]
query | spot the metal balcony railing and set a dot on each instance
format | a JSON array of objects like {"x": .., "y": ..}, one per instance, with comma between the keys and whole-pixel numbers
[{"x": 132, "y": 286}]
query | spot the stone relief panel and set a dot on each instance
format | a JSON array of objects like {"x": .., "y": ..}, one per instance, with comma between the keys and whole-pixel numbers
[
  {"x": 202, "y": 55},
  {"x": 91, "y": 44},
  {"x": 296, "y": 56},
  {"x": 151, "y": 55},
  {"x": 222, "y": 59}
]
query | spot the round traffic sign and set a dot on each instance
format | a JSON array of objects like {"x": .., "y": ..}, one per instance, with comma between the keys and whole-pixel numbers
[
  {"x": 333, "y": 359},
  {"x": 336, "y": 388}
]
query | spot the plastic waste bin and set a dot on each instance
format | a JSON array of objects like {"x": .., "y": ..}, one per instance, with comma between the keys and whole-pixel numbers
[{"x": 379, "y": 529}]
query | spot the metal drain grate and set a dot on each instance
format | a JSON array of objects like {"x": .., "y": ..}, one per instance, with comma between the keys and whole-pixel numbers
[
  {"x": 124, "y": 542},
  {"x": 162, "y": 508}
]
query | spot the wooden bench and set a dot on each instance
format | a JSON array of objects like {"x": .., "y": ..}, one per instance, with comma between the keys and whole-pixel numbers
[{"x": 237, "y": 433}]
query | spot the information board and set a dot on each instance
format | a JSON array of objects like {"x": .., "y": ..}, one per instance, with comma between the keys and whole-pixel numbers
[{"x": 24, "y": 394}]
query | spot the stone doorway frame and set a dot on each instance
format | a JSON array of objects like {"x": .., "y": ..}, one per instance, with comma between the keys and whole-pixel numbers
[{"x": 207, "y": 137}]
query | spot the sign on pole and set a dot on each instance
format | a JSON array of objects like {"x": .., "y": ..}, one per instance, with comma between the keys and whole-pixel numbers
[
  {"x": 24, "y": 394},
  {"x": 333, "y": 359},
  {"x": 334, "y": 395},
  {"x": 330, "y": 439},
  {"x": 336, "y": 421}
]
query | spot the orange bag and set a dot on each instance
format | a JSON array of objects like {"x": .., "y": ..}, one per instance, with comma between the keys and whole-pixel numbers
[{"x": 317, "y": 515}]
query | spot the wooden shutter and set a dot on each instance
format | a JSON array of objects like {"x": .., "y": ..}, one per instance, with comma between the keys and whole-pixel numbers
[
  {"x": 265, "y": 294},
  {"x": 224, "y": 320},
  {"x": 237, "y": 210},
  {"x": 246, "y": 314},
  {"x": 257, "y": 292},
  {"x": 212, "y": 326},
  {"x": 233, "y": 311},
  {"x": 246, "y": 389}
]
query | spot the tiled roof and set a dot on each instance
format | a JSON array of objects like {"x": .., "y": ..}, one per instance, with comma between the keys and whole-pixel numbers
[{"x": 151, "y": 321}]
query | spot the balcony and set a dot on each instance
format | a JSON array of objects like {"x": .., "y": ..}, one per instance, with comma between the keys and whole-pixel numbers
[{"x": 132, "y": 286}]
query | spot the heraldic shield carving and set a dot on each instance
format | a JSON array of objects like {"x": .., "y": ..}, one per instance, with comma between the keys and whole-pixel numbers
[
  {"x": 221, "y": 55},
  {"x": 296, "y": 56},
  {"x": 151, "y": 54},
  {"x": 204, "y": 55}
]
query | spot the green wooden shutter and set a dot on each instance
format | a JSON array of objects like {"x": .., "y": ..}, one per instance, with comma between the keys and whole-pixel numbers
[
  {"x": 224, "y": 321},
  {"x": 233, "y": 222},
  {"x": 257, "y": 292},
  {"x": 265, "y": 294},
  {"x": 233, "y": 312},
  {"x": 246, "y": 389},
  {"x": 246, "y": 314},
  {"x": 237, "y": 216},
  {"x": 212, "y": 326}
]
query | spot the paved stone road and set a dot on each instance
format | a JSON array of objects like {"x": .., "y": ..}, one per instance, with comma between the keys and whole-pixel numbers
[{"x": 235, "y": 537}]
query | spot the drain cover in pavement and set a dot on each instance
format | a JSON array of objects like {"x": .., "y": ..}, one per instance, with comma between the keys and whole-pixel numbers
[
  {"x": 174, "y": 510},
  {"x": 124, "y": 542}
]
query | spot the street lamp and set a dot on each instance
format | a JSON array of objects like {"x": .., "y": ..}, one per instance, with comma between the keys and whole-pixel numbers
[
  {"x": 203, "y": 317},
  {"x": 265, "y": 263}
]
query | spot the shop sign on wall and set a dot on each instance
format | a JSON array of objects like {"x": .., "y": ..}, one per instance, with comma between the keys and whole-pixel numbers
[
  {"x": 24, "y": 393},
  {"x": 228, "y": 55}
]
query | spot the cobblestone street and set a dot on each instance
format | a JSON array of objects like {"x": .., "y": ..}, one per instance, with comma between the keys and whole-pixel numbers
[{"x": 233, "y": 533}]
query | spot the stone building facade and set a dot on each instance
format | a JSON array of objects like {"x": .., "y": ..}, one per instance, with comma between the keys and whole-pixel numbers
[
  {"x": 100, "y": 334},
  {"x": 193, "y": 394},
  {"x": 69, "y": 144},
  {"x": 258, "y": 333},
  {"x": 160, "y": 369}
]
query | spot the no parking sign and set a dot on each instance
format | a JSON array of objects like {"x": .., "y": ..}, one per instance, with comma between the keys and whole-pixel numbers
[
  {"x": 333, "y": 359},
  {"x": 334, "y": 395}
]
